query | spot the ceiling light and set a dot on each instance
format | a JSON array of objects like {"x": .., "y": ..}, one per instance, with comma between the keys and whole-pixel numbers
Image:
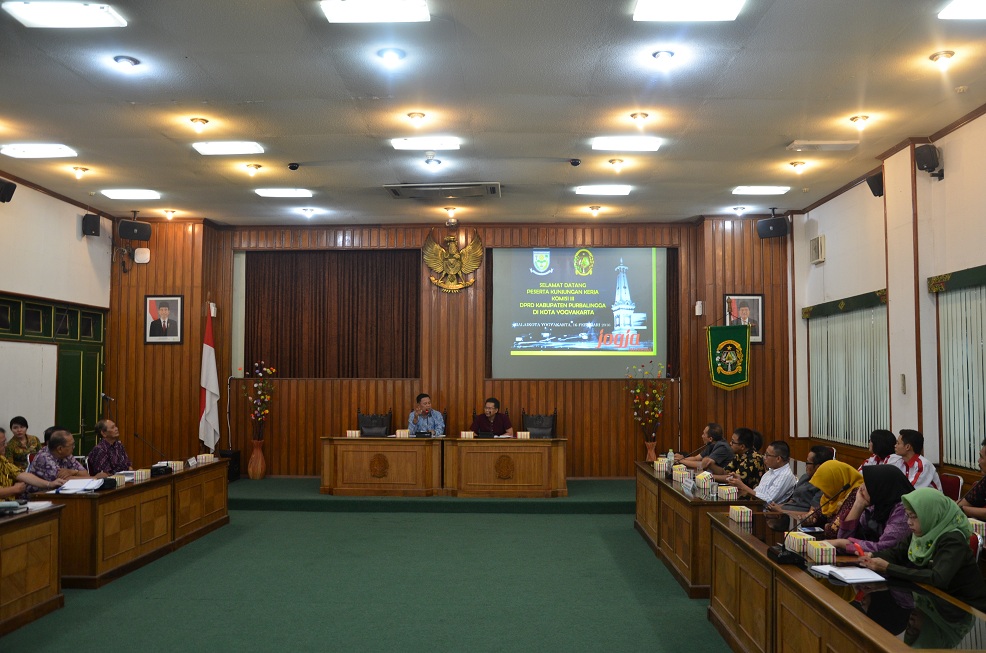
[
  {"x": 198, "y": 124},
  {"x": 963, "y": 10},
  {"x": 37, "y": 150},
  {"x": 692, "y": 11},
  {"x": 131, "y": 194},
  {"x": 603, "y": 189},
  {"x": 761, "y": 190},
  {"x": 943, "y": 59},
  {"x": 80, "y": 171},
  {"x": 617, "y": 164},
  {"x": 376, "y": 11},
  {"x": 431, "y": 160},
  {"x": 416, "y": 118},
  {"x": 639, "y": 117},
  {"x": 126, "y": 63},
  {"x": 739, "y": 210},
  {"x": 252, "y": 168},
  {"x": 799, "y": 166},
  {"x": 218, "y": 148},
  {"x": 169, "y": 214},
  {"x": 663, "y": 58},
  {"x": 391, "y": 56},
  {"x": 450, "y": 210},
  {"x": 64, "y": 14},
  {"x": 594, "y": 210},
  {"x": 426, "y": 143},
  {"x": 451, "y": 223},
  {"x": 627, "y": 143},
  {"x": 283, "y": 192},
  {"x": 860, "y": 122},
  {"x": 309, "y": 212}
]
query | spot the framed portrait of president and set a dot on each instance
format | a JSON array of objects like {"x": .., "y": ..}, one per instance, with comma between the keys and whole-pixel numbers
[
  {"x": 163, "y": 316},
  {"x": 746, "y": 309}
]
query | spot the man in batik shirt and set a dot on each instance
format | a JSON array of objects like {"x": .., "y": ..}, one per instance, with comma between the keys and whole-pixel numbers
[{"x": 108, "y": 455}]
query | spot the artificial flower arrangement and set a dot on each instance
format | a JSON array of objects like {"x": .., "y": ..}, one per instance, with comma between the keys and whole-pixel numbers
[
  {"x": 647, "y": 387},
  {"x": 259, "y": 394}
]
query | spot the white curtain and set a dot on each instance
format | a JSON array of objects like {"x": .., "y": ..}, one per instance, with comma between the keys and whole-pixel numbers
[
  {"x": 849, "y": 375},
  {"x": 962, "y": 357}
]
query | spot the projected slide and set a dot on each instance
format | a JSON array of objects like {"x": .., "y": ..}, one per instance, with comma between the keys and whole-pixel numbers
[{"x": 577, "y": 313}]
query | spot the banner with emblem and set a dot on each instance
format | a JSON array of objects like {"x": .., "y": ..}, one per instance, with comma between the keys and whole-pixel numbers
[{"x": 729, "y": 356}]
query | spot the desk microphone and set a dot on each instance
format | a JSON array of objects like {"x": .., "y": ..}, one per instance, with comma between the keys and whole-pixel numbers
[
  {"x": 158, "y": 452},
  {"x": 106, "y": 397}
]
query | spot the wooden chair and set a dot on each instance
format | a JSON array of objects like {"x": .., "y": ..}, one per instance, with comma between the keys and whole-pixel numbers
[
  {"x": 951, "y": 486},
  {"x": 541, "y": 427},
  {"x": 374, "y": 426}
]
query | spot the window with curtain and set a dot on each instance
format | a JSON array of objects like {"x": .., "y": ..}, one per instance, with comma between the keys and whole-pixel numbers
[
  {"x": 849, "y": 375},
  {"x": 334, "y": 314},
  {"x": 962, "y": 361}
]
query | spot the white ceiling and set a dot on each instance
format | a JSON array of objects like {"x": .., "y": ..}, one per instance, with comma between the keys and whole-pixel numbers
[{"x": 525, "y": 83}]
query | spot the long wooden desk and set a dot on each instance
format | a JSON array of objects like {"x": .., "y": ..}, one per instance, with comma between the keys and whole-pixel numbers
[
  {"x": 676, "y": 525},
  {"x": 110, "y": 533},
  {"x": 443, "y": 466},
  {"x": 381, "y": 466},
  {"x": 505, "y": 468},
  {"x": 758, "y": 605},
  {"x": 30, "y": 579}
]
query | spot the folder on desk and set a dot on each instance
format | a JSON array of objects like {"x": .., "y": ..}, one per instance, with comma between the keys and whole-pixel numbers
[{"x": 75, "y": 486}]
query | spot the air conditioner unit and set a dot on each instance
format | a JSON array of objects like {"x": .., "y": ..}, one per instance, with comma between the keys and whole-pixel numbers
[
  {"x": 446, "y": 191},
  {"x": 816, "y": 249}
]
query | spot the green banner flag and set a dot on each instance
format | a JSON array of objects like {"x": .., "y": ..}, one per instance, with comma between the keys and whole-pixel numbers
[{"x": 729, "y": 356}]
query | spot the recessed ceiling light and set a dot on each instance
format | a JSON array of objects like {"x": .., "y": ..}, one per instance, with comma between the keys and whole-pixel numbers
[
  {"x": 426, "y": 143},
  {"x": 603, "y": 189},
  {"x": 450, "y": 211},
  {"x": 739, "y": 210},
  {"x": 639, "y": 117},
  {"x": 416, "y": 118},
  {"x": 943, "y": 59},
  {"x": 64, "y": 14},
  {"x": 761, "y": 190},
  {"x": 125, "y": 62},
  {"x": 432, "y": 160},
  {"x": 859, "y": 121},
  {"x": 594, "y": 210},
  {"x": 37, "y": 150},
  {"x": 799, "y": 166},
  {"x": 663, "y": 57},
  {"x": 198, "y": 124},
  {"x": 252, "y": 168},
  {"x": 80, "y": 171},
  {"x": 376, "y": 11},
  {"x": 692, "y": 11},
  {"x": 964, "y": 10},
  {"x": 308, "y": 211},
  {"x": 217, "y": 148},
  {"x": 617, "y": 164},
  {"x": 283, "y": 192},
  {"x": 169, "y": 214},
  {"x": 131, "y": 194},
  {"x": 391, "y": 57},
  {"x": 627, "y": 143}
]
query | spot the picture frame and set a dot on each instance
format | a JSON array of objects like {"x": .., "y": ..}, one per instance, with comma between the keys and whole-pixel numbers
[
  {"x": 748, "y": 307},
  {"x": 167, "y": 329}
]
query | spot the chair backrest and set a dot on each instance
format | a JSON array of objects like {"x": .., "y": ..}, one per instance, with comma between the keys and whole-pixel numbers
[
  {"x": 30, "y": 460},
  {"x": 84, "y": 461},
  {"x": 951, "y": 486},
  {"x": 833, "y": 453},
  {"x": 975, "y": 545},
  {"x": 540, "y": 426},
  {"x": 374, "y": 425}
]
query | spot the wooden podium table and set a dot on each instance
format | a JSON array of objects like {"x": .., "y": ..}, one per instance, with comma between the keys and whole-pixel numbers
[
  {"x": 108, "y": 534},
  {"x": 409, "y": 467},
  {"x": 30, "y": 581},
  {"x": 505, "y": 468}
]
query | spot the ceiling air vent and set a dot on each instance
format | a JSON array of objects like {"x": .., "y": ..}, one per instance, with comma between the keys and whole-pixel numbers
[
  {"x": 471, "y": 190},
  {"x": 822, "y": 146}
]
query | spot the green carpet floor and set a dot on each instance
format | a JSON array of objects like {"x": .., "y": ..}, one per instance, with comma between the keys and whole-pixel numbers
[{"x": 317, "y": 581}]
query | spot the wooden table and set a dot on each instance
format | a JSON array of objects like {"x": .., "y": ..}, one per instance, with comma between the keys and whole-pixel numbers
[
  {"x": 758, "y": 605},
  {"x": 30, "y": 579},
  {"x": 108, "y": 534},
  {"x": 505, "y": 468},
  {"x": 409, "y": 467},
  {"x": 676, "y": 525}
]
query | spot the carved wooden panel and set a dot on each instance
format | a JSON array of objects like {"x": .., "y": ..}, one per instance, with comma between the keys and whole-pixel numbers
[{"x": 28, "y": 565}]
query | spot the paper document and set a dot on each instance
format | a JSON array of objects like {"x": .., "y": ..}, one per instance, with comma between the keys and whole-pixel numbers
[
  {"x": 850, "y": 575},
  {"x": 80, "y": 485},
  {"x": 39, "y": 505}
]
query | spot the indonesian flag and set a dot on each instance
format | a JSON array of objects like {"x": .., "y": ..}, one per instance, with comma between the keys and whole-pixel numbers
[{"x": 209, "y": 397}]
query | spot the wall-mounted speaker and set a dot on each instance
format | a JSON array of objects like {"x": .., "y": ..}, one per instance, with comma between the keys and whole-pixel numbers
[
  {"x": 875, "y": 182},
  {"x": 772, "y": 227},
  {"x": 90, "y": 224},
  {"x": 6, "y": 190},
  {"x": 926, "y": 157},
  {"x": 133, "y": 230}
]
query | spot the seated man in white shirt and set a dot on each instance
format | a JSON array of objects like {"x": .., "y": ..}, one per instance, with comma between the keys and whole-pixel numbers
[
  {"x": 919, "y": 470},
  {"x": 778, "y": 482}
]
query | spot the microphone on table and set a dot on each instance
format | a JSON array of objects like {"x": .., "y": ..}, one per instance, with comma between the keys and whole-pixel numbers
[
  {"x": 156, "y": 470},
  {"x": 782, "y": 555}
]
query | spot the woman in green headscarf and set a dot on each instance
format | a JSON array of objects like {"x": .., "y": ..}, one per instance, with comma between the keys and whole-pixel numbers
[{"x": 938, "y": 552}]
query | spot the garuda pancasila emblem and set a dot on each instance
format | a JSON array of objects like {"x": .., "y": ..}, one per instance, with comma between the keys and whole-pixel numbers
[{"x": 452, "y": 264}]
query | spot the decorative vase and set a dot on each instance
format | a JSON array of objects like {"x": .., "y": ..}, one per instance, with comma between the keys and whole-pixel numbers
[
  {"x": 651, "y": 453},
  {"x": 257, "y": 467}
]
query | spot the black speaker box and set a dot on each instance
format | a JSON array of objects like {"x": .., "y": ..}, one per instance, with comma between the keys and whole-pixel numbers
[
  {"x": 875, "y": 182},
  {"x": 90, "y": 224},
  {"x": 772, "y": 227},
  {"x": 234, "y": 462},
  {"x": 133, "y": 230},
  {"x": 6, "y": 190},
  {"x": 926, "y": 157}
]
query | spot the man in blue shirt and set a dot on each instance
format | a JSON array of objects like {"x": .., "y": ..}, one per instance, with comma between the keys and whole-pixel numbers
[{"x": 425, "y": 420}]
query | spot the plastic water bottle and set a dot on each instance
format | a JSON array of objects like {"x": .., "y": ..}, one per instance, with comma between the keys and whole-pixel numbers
[{"x": 670, "y": 458}]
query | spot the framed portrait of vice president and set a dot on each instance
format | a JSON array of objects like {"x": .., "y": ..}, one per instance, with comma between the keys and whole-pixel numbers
[{"x": 748, "y": 310}]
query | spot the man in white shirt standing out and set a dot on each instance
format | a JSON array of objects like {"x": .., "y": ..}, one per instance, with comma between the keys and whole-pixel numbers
[
  {"x": 778, "y": 483},
  {"x": 919, "y": 470}
]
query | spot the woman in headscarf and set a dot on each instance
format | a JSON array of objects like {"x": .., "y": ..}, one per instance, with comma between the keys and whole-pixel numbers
[
  {"x": 839, "y": 484},
  {"x": 876, "y": 520},
  {"x": 938, "y": 552}
]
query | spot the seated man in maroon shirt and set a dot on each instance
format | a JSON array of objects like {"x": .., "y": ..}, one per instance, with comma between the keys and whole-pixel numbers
[
  {"x": 108, "y": 455},
  {"x": 492, "y": 420}
]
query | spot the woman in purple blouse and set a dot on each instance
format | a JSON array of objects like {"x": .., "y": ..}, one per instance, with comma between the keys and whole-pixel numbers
[{"x": 876, "y": 520}]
